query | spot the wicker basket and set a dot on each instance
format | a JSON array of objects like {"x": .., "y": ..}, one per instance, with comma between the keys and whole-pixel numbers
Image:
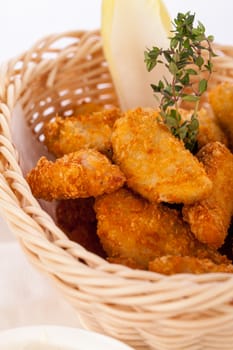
[{"x": 143, "y": 309}]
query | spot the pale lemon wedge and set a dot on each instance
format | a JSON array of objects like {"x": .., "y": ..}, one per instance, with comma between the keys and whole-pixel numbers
[{"x": 128, "y": 28}]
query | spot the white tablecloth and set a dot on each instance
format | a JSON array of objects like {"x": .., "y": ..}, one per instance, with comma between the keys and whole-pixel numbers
[{"x": 26, "y": 296}]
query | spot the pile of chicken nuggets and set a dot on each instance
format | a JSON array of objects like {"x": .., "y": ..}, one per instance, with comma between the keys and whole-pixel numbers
[{"x": 129, "y": 191}]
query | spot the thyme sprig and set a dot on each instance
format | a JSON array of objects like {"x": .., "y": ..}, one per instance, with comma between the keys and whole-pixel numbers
[{"x": 184, "y": 59}]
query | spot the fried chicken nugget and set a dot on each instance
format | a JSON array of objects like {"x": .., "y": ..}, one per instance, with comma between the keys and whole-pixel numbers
[
  {"x": 155, "y": 163},
  {"x": 210, "y": 218},
  {"x": 132, "y": 229},
  {"x": 202, "y": 253},
  {"x": 209, "y": 129},
  {"x": 93, "y": 130},
  {"x": 169, "y": 265},
  {"x": 129, "y": 262},
  {"x": 221, "y": 100},
  {"x": 81, "y": 174}
]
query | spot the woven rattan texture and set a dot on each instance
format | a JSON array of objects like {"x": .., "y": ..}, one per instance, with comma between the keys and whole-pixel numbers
[{"x": 144, "y": 309}]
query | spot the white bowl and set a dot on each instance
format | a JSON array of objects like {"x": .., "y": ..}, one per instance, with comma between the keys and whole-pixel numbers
[{"x": 57, "y": 338}]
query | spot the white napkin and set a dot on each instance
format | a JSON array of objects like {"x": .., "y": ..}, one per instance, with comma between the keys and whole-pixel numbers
[{"x": 26, "y": 296}]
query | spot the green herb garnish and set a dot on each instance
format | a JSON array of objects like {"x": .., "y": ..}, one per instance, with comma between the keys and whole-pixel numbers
[{"x": 184, "y": 59}]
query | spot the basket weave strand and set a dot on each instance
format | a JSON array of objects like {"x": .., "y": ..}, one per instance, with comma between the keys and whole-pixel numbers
[{"x": 144, "y": 309}]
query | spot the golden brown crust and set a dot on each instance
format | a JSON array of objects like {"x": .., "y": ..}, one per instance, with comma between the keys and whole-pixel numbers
[
  {"x": 91, "y": 130},
  {"x": 209, "y": 129},
  {"x": 221, "y": 100},
  {"x": 81, "y": 174},
  {"x": 169, "y": 265},
  {"x": 155, "y": 163},
  {"x": 210, "y": 218},
  {"x": 130, "y": 227},
  {"x": 129, "y": 262}
]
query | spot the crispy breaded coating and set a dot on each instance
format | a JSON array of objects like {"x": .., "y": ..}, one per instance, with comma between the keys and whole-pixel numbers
[
  {"x": 209, "y": 129},
  {"x": 221, "y": 100},
  {"x": 93, "y": 130},
  {"x": 70, "y": 212},
  {"x": 210, "y": 218},
  {"x": 129, "y": 227},
  {"x": 129, "y": 262},
  {"x": 155, "y": 163},
  {"x": 81, "y": 174},
  {"x": 169, "y": 265},
  {"x": 203, "y": 251}
]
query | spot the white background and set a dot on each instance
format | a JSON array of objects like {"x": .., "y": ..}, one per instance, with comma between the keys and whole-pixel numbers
[{"x": 22, "y": 23}]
